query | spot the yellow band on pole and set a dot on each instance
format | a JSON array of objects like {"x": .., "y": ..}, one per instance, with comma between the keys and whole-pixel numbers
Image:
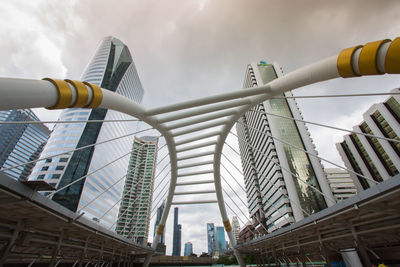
[
  {"x": 228, "y": 226},
  {"x": 97, "y": 96},
  {"x": 64, "y": 93},
  {"x": 367, "y": 60},
  {"x": 344, "y": 62},
  {"x": 82, "y": 94},
  {"x": 160, "y": 229},
  {"x": 392, "y": 60}
]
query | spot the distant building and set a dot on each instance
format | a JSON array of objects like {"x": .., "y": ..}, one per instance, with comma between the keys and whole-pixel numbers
[
  {"x": 374, "y": 158},
  {"x": 21, "y": 143},
  {"x": 177, "y": 235},
  {"x": 134, "y": 212},
  {"x": 188, "y": 249},
  {"x": 211, "y": 238},
  {"x": 221, "y": 243},
  {"x": 269, "y": 148},
  {"x": 235, "y": 227},
  {"x": 341, "y": 183},
  {"x": 160, "y": 211}
]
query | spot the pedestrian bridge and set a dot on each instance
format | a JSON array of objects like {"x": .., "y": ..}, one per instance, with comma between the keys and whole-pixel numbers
[{"x": 186, "y": 128}]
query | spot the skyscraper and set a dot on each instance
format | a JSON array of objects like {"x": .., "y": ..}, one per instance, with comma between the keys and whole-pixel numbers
[
  {"x": 188, "y": 249},
  {"x": 374, "y": 158},
  {"x": 160, "y": 211},
  {"x": 111, "y": 68},
  {"x": 235, "y": 227},
  {"x": 211, "y": 238},
  {"x": 221, "y": 243},
  {"x": 276, "y": 172},
  {"x": 177, "y": 238},
  {"x": 20, "y": 143},
  {"x": 134, "y": 211}
]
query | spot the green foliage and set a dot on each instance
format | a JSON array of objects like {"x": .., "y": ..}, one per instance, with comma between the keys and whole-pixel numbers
[{"x": 227, "y": 260}]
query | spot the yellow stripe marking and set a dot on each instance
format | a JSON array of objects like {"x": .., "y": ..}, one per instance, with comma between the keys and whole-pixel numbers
[
  {"x": 97, "y": 96},
  {"x": 392, "y": 60},
  {"x": 344, "y": 65},
  {"x": 82, "y": 93},
  {"x": 367, "y": 60},
  {"x": 64, "y": 93}
]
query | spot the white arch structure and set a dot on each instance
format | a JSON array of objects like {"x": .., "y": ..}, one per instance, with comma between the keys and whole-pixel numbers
[{"x": 191, "y": 117}]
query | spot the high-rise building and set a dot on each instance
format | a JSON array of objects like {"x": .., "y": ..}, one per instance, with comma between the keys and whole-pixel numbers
[
  {"x": 111, "y": 68},
  {"x": 341, "y": 183},
  {"x": 277, "y": 173},
  {"x": 160, "y": 211},
  {"x": 375, "y": 158},
  {"x": 221, "y": 243},
  {"x": 211, "y": 238},
  {"x": 134, "y": 211},
  {"x": 177, "y": 235},
  {"x": 188, "y": 249},
  {"x": 235, "y": 227},
  {"x": 20, "y": 143}
]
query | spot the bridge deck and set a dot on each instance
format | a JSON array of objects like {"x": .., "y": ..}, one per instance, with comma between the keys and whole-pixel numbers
[
  {"x": 33, "y": 227},
  {"x": 369, "y": 221}
]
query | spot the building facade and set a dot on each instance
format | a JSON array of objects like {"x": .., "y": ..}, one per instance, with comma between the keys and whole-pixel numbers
[
  {"x": 20, "y": 143},
  {"x": 235, "y": 227},
  {"x": 160, "y": 211},
  {"x": 221, "y": 242},
  {"x": 374, "y": 158},
  {"x": 341, "y": 183},
  {"x": 277, "y": 173},
  {"x": 111, "y": 68},
  {"x": 211, "y": 238},
  {"x": 177, "y": 235},
  {"x": 188, "y": 249},
  {"x": 135, "y": 209}
]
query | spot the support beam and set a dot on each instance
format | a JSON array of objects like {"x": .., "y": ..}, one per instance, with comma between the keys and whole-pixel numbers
[
  {"x": 194, "y": 202},
  {"x": 10, "y": 244},
  {"x": 194, "y": 192},
  {"x": 195, "y": 182}
]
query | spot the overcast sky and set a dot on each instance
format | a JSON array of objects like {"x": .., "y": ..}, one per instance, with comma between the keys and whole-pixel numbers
[{"x": 193, "y": 48}]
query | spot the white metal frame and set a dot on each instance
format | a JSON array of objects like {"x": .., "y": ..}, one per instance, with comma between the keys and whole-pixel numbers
[{"x": 223, "y": 110}]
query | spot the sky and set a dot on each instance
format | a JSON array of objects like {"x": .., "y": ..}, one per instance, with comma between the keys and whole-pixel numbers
[{"x": 185, "y": 49}]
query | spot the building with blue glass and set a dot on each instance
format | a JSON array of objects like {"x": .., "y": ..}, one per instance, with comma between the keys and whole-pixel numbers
[
  {"x": 211, "y": 238},
  {"x": 188, "y": 249},
  {"x": 177, "y": 235},
  {"x": 20, "y": 143},
  {"x": 97, "y": 187},
  {"x": 281, "y": 179},
  {"x": 221, "y": 243}
]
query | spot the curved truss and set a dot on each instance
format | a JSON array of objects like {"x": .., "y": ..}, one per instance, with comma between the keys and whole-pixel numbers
[{"x": 192, "y": 117}]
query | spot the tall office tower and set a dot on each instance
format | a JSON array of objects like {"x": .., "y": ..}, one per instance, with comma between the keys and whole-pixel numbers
[
  {"x": 221, "y": 243},
  {"x": 341, "y": 183},
  {"x": 188, "y": 249},
  {"x": 20, "y": 143},
  {"x": 135, "y": 209},
  {"x": 111, "y": 68},
  {"x": 177, "y": 237},
  {"x": 160, "y": 211},
  {"x": 235, "y": 227},
  {"x": 211, "y": 238},
  {"x": 276, "y": 170},
  {"x": 372, "y": 157}
]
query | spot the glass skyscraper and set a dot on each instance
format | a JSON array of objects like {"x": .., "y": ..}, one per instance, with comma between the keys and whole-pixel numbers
[
  {"x": 211, "y": 238},
  {"x": 20, "y": 143},
  {"x": 221, "y": 243},
  {"x": 111, "y": 68},
  {"x": 277, "y": 174},
  {"x": 160, "y": 211},
  {"x": 134, "y": 211},
  {"x": 188, "y": 249},
  {"x": 177, "y": 235}
]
